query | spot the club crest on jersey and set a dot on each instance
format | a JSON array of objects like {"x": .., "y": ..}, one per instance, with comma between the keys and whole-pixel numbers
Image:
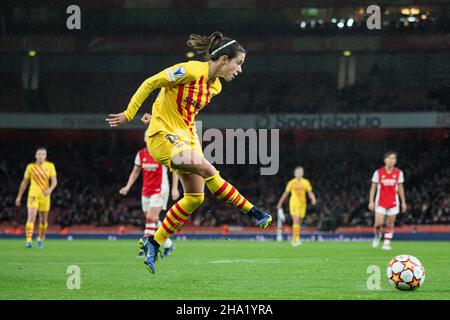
[{"x": 174, "y": 139}]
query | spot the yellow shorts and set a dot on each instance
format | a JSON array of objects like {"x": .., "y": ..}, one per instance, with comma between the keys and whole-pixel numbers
[
  {"x": 297, "y": 210},
  {"x": 41, "y": 203},
  {"x": 163, "y": 146}
]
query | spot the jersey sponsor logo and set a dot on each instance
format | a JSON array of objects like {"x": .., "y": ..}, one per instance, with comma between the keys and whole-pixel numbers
[
  {"x": 193, "y": 103},
  {"x": 179, "y": 72},
  {"x": 389, "y": 182},
  {"x": 150, "y": 166}
]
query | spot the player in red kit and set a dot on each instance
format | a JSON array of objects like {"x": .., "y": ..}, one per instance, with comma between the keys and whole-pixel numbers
[
  {"x": 155, "y": 191},
  {"x": 387, "y": 184}
]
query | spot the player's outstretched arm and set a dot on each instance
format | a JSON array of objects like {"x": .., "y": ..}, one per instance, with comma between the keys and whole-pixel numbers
[
  {"x": 146, "y": 88},
  {"x": 116, "y": 119},
  {"x": 22, "y": 188},
  {"x": 131, "y": 180},
  {"x": 169, "y": 77}
]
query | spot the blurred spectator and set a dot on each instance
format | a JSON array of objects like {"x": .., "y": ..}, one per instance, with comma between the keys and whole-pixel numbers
[{"x": 91, "y": 175}]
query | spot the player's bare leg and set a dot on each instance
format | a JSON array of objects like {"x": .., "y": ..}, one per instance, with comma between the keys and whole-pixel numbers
[
  {"x": 193, "y": 162},
  {"x": 29, "y": 227},
  {"x": 192, "y": 183},
  {"x": 296, "y": 221},
  {"x": 193, "y": 186},
  {"x": 300, "y": 221},
  {"x": 390, "y": 223},
  {"x": 201, "y": 173},
  {"x": 43, "y": 223},
  {"x": 379, "y": 219},
  {"x": 151, "y": 221}
]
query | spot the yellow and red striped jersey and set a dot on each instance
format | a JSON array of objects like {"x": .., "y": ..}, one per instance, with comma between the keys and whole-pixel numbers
[
  {"x": 185, "y": 91},
  {"x": 39, "y": 176}
]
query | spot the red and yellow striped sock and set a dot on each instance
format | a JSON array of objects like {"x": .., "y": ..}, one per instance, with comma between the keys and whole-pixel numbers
[
  {"x": 296, "y": 232},
  {"x": 29, "y": 228},
  {"x": 42, "y": 230},
  {"x": 177, "y": 215},
  {"x": 224, "y": 191}
]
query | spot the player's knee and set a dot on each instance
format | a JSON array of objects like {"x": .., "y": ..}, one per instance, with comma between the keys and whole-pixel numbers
[
  {"x": 195, "y": 200},
  {"x": 206, "y": 170},
  {"x": 153, "y": 213}
]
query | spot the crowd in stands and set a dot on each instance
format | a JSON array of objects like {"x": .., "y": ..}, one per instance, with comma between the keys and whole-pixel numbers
[
  {"x": 254, "y": 93},
  {"x": 90, "y": 175}
]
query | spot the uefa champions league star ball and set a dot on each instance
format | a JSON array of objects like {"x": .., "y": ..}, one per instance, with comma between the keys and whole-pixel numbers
[{"x": 405, "y": 272}]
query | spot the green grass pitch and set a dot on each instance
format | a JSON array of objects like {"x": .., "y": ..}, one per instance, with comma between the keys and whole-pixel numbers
[{"x": 215, "y": 269}]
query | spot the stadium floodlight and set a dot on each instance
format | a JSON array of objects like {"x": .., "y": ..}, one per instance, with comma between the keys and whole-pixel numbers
[{"x": 405, "y": 11}]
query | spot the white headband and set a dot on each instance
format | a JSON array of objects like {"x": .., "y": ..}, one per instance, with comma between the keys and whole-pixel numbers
[{"x": 224, "y": 46}]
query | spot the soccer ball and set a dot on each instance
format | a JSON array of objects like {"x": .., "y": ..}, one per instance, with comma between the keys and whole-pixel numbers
[{"x": 405, "y": 272}]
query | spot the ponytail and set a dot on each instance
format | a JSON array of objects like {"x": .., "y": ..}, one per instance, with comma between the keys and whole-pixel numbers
[{"x": 214, "y": 46}]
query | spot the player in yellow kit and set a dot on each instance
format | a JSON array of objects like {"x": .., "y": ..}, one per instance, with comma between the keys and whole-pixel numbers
[
  {"x": 185, "y": 89},
  {"x": 42, "y": 175},
  {"x": 298, "y": 188}
]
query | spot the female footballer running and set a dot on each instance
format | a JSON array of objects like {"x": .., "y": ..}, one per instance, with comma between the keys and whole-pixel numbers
[{"x": 187, "y": 88}]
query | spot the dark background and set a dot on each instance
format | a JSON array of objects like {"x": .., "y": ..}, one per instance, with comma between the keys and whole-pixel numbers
[{"x": 297, "y": 54}]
